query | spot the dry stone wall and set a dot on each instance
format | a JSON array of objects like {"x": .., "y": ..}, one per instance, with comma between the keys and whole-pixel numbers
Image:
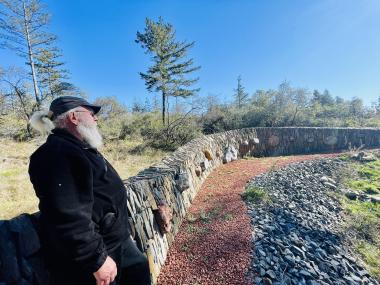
[{"x": 160, "y": 195}]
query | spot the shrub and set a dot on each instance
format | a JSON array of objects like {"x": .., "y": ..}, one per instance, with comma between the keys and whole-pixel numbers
[
  {"x": 148, "y": 126},
  {"x": 140, "y": 124},
  {"x": 254, "y": 194},
  {"x": 112, "y": 117},
  {"x": 172, "y": 136}
]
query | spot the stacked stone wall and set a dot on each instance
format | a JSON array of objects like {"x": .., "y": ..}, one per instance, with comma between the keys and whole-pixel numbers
[{"x": 160, "y": 195}]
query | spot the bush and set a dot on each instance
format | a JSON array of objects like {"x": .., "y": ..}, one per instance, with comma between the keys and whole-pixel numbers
[
  {"x": 149, "y": 127},
  {"x": 12, "y": 126},
  {"x": 177, "y": 133},
  {"x": 254, "y": 194},
  {"x": 221, "y": 119},
  {"x": 140, "y": 125},
  {"x": 112, "y": 117}
]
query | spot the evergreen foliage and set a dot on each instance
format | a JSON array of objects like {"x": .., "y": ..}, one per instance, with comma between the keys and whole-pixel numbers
[
  {"x": 167, "y": 74},
  {"x": 24, "y": 30},
  {"x": 51, "y": 76},
  {"x": 240, "y": 95}
]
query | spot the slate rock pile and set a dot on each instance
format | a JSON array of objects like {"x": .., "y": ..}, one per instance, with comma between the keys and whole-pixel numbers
[{"x": 297, "y": 237}]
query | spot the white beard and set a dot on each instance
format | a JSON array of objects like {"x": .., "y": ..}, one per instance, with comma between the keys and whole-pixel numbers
[{"x": 90, "y": 134}]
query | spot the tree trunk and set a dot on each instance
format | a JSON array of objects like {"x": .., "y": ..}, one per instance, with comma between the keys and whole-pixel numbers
[
  {"x": 294, "y": 117},
  {"x": 163, "y": 108},
  {"x": 31, "y": 59},
  {"x": 167, "y": 111}
]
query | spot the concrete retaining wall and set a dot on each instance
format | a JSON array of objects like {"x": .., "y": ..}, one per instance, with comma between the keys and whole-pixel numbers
[{"x": 160, "y": 195}]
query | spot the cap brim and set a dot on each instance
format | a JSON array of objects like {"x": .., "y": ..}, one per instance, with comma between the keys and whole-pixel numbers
[{"x": 94, "y": 108}]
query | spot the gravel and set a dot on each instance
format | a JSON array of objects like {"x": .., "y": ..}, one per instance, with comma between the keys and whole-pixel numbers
[
  {"x": 297, "y": 236},
  {"x": 218, "y": 250}
]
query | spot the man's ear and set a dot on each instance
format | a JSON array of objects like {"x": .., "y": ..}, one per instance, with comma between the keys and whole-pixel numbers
[{"x": 73, "y": 118}]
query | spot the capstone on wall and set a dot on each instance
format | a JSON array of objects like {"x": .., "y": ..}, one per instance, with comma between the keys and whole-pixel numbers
[{"x": 160, "y": 195}]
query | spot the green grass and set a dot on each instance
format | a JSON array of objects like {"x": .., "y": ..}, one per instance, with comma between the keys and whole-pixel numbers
[
  {"x": 191, "y": 218},
  {"x": 345, "y": 157},
  {"x": 255, "y": 194},
  {"x": 211, "y": 214},
  {"x": 193, "y": 229},
  {"x": 364, "y": 217},
  {"x": 185, "y": 247},
  {"x": 364, "y": 186},
  {"x": 368, "y": 209},
  {"x": 368, "y": 177},
  {"x": 190, "y": 228},
  {"x": 364, "y": 223},
  {"x": 371, "y": 255},
  {"x": 228, "y": 217}
]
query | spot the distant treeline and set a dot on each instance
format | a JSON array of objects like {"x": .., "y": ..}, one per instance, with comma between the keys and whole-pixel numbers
[
  {"x": 286, "y": 106},
  {"x": 289, "y": 106}
]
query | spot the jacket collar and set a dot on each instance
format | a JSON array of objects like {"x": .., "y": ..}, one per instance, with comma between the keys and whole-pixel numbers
[{"x": 70, "y": 137}]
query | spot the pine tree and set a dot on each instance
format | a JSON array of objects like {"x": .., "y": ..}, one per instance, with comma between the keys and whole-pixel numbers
[
  {"x": 167, "y": 74},
  {"x": 23, "y": 29},
  {"x": 240, "y": 95},
  {"x": 52, "y": 76}
]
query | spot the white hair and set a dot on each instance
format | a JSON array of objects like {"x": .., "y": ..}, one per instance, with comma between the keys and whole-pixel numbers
[
  {"x": 41, "y": 122},
  {"x": 61, "y": 120}
]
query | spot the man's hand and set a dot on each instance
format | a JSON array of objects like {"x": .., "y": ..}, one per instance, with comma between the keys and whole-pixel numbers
[{"x": 106, "y": 273}]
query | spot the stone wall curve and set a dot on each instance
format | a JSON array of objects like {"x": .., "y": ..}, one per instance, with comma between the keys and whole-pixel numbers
[{"x": 159, "y": 196}]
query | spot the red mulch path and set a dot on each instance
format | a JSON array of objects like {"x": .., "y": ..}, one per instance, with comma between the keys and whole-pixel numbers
[{"x": 213, "y": 245}]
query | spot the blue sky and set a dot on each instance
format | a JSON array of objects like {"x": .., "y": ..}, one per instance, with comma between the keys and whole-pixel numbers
[{"x": 324, "y": 44}]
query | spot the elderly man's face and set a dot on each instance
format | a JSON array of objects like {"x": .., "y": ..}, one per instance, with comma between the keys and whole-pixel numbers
[
  {"x": 87, "y": 117},
  {"x": 87, "y": 127}
]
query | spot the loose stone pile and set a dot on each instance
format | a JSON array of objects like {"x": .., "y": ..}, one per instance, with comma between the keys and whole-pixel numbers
[{"x": 296, "y": 238}]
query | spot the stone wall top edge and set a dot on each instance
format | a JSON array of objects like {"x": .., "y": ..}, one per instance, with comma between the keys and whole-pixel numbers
[
  {"x": 186, "y": 152},
  {"x": 320, "y": 128}
]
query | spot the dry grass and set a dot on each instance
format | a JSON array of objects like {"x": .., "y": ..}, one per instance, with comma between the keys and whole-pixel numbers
[
  {"x": 16, "y": 192},
  {"x": 127, "y": 164}
]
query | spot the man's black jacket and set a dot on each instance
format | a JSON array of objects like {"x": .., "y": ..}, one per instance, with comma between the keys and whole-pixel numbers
[{"x": 82, "y": 202}]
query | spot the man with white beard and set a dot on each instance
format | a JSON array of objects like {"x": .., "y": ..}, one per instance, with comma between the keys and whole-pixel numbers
[{"x": 84, "y": 229}]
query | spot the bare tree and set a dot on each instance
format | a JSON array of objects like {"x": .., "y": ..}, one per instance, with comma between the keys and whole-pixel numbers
[
  {"x": 15, "y": 94},
  {"x": 23, "y": 29}
]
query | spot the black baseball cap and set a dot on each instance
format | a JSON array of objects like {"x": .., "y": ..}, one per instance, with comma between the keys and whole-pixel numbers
[{"x": 63, "y": 104}]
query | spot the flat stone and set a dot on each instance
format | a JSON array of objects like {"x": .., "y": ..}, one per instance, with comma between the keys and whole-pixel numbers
[
  {"x": 271, "y": 274},
  {"x": 305, "y": 273},
  {"x": 329, "y": 185},
  {"x": 375, "y": 199},
  {"x": 267, "y": 281},
  {"x": 297, "y": 251},
  {"x": 290, "y": 259},
  {"x": 363, "y": 273},
  {"x": 261, "y": 252}
]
